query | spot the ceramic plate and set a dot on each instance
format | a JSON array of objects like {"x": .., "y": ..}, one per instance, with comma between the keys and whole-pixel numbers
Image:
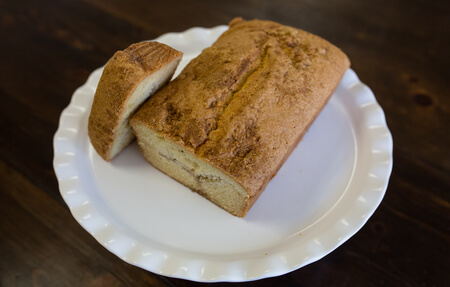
[{"x": 324, "y": 193}]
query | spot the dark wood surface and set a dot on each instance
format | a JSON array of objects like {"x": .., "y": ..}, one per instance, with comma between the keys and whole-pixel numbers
[{"x": 401, "y": 49}]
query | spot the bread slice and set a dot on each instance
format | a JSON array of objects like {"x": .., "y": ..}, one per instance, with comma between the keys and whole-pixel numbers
[
  {"x": 128, "y": 79},
  {"x": 232, "y": 117}
]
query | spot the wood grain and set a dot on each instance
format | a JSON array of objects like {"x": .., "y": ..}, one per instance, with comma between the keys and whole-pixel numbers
[{"x": 398, "y": 48}]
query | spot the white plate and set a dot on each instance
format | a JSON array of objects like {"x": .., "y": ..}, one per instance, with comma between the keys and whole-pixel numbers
[{"x": 325, "y": 192}]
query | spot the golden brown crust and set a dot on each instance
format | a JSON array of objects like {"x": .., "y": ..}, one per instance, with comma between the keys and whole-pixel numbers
[
  {"x": 244, "y": 103},
  {"x": 121, "y": 75}
]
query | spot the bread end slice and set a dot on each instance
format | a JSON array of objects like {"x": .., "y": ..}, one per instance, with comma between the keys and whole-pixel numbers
[{"x": 128, "y": 79}]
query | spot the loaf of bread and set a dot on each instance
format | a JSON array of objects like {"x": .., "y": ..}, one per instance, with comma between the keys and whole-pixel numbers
[
  {"x": 128, "y": 79},
  {"x": 228, "y": 122}
]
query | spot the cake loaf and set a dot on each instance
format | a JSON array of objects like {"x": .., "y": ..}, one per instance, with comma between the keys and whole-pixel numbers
[
  {"x": 128, "y": 79},
  {"x": 232, "y": 117}
]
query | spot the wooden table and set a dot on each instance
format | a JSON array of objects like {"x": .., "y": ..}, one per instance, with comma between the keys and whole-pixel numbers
[{"x": 398, "y": 48}]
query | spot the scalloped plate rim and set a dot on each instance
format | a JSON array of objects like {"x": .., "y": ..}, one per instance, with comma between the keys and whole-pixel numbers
[{"x": 233, "y": 268}]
